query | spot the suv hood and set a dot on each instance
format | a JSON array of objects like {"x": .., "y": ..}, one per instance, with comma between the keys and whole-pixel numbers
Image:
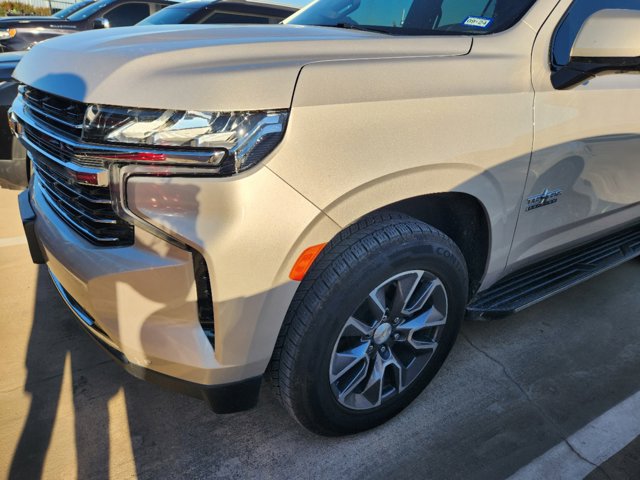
[{"x": 200, "y": 67}]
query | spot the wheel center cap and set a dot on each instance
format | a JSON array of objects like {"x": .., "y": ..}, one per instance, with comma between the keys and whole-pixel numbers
[{"x": 382, "y": 333}]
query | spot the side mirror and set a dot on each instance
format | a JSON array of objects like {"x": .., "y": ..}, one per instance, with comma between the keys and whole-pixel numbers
[
  {"x": 99, "y": 23},
  {"x": 609, "y": 41}
]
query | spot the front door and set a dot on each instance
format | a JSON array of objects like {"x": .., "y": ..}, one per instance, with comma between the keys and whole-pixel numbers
[{"x": 584, "y": 178}]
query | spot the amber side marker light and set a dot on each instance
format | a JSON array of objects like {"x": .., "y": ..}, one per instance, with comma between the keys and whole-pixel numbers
[{"x": 304, "y": 262}]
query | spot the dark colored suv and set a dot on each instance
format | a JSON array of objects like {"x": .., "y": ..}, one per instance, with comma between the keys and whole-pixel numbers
[
  {"x": 220, "y": 11},
  {"x": 21, "y": 33},
  {"x": 13, "y": 166}
]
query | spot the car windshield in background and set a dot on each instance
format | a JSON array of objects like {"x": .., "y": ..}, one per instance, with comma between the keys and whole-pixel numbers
[
  {"x": 415, "y": 17},
  {"x": 88, "y": 11},
  {"x": 174, "y": 15},
  {"x": 64, "y": 13}
]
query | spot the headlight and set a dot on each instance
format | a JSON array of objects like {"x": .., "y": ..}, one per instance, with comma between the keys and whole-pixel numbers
[
  {"x": 237, "y": 140},
  {"x": 5, "y": 34}
]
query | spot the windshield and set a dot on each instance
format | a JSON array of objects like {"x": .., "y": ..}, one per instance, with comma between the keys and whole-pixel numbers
[
  {"x": 88, "y": 11},
  {"x": 415, "y": 17},
  {"x": 170, "y": 16},
  {"x": 64, "y": 13}
]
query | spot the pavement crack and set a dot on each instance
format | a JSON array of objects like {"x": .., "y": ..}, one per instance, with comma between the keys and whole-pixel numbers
[{"x": 538, "y": 407}]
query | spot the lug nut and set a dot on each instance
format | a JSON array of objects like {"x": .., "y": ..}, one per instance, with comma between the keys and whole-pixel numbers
[
  {"x": 383, "y": 349},
  {"x": 396, "y": 337},
  {"x": 370, "y": 349},
  {"x": 396, "y": 321}
]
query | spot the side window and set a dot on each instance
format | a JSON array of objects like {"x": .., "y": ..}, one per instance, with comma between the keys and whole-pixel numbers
[
  {"x": 127, "y": 14},
  {"x": 578, "y": 13},
  {"x": 228, "y": 17}
]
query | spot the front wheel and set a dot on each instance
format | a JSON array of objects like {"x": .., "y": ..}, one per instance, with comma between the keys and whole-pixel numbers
[{"x": 370, "y": 325}]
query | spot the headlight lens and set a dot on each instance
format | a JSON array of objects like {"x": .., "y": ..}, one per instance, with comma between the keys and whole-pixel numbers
[
  {"x": 5, "y": 34},
  {"x": 245, "y": 138}
]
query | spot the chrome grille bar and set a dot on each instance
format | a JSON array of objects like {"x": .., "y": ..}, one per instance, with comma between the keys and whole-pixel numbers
[
  {"x": 74, "y": 224},
  {"x": 41, "y": 112},
  {"x": 62, "y": 113},
  {"x": 73, "y": 192},
  {"x": 67, "y": 205}
]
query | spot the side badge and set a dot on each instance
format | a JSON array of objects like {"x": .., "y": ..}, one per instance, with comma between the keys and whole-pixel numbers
[{"x": 548, "y": 197}]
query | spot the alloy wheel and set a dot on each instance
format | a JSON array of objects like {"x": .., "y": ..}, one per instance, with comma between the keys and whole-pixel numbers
[{"x": 389, "y": 339}]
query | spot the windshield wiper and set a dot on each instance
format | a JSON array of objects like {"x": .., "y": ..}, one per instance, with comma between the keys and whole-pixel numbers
[{"x": 353, "y": 26}]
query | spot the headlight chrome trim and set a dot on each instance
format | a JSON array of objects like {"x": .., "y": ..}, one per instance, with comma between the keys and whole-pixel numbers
[{"x": 235, "y": 141}]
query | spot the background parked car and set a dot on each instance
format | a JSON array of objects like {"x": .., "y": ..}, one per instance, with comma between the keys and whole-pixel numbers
[
  {"x": 13, "y": 165},
  {"x": 21, "y": 33},
  {"x": 220, "y": 11},
  {"x": 60, "y": 14}
]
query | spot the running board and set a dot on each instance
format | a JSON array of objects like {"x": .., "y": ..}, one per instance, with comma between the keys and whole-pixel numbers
[{"x": 538, "y": 282}]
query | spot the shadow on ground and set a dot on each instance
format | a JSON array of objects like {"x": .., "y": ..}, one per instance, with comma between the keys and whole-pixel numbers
[{"x": 511, "y": 390}]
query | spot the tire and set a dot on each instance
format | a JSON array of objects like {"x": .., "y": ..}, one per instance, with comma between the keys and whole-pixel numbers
[{"x": 333, "y": 319}]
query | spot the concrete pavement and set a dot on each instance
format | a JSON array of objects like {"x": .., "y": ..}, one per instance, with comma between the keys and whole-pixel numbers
[{"x": 548, "y": 390}]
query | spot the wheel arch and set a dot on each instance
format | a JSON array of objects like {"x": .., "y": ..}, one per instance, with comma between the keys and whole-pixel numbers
[{"x": 462, "y": 217}]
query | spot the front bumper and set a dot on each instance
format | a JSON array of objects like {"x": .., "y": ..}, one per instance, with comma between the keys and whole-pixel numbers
[
  {"x": 227, "y": 398},
  {"x": 140, "y": 302},
  {"x": 222, "y": 398}
]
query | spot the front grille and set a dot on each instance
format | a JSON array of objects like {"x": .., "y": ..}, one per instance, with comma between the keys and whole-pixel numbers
[
  {"x": 62, "y": 114},
  {"x": 61, "y": 150},
  {"x": 53, "y": 141},
  {"x": 86, "y": 209}
]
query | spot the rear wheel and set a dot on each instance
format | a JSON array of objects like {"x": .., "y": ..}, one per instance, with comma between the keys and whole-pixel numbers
[{"x": 370, "y": 325}]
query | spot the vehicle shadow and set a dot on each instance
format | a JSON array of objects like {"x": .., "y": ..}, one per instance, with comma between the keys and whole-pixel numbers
[{"x": 54, "y": 340}]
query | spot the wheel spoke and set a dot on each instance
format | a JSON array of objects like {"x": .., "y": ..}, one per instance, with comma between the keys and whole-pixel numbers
[
  {"x": 411, "y": 371},
  {"x": 392, "y": 362},
  {"x": 377, "y": 302},
  {"x": 405, "y": 286},
  {"x": 356, "y": 328},
  {"x": 356, "y": 380},
  {"x": 342, "y": 362},
  {"x": 422, "y": 344},
  {"x": 372, "y": 391},
  {"x": 421, "y": 297},
  {"x": 429, "y": 319}
]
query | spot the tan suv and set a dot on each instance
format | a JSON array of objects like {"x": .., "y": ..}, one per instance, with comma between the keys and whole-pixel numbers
[{"x": 326, "y": 200}]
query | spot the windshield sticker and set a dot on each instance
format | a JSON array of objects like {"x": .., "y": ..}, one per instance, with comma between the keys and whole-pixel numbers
[{"x": 480, "y": 22}]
